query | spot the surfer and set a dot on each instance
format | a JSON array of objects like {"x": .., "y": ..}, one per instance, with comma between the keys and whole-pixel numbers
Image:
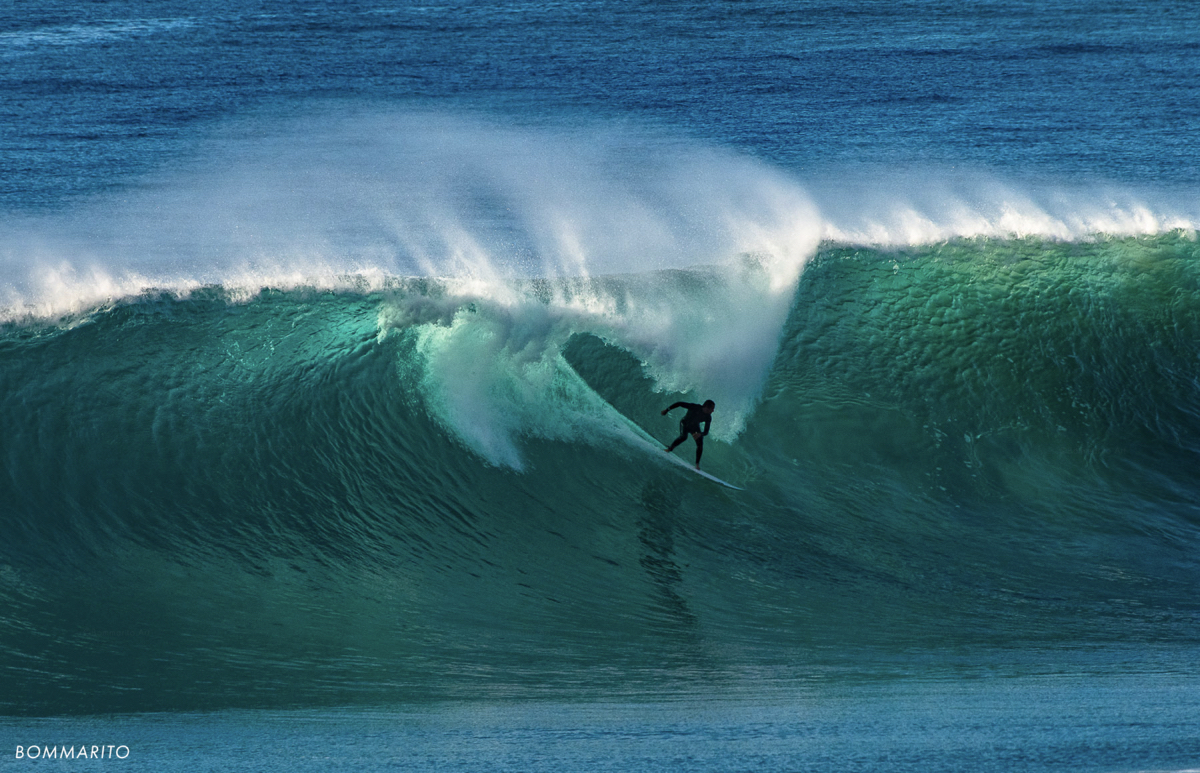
[{"x": 690, "y": 425}]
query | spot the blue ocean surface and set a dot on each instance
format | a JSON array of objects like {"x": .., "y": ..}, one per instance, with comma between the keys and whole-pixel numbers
[
  {"x": 1097, "y": 723},
  {"x": 335, "y": 336}
]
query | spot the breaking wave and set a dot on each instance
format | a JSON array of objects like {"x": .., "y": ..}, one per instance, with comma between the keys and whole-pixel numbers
[{"x": 406, "y": 444}]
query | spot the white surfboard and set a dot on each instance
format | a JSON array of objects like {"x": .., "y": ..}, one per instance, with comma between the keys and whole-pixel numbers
[
  {"x": 656, "y": 448},
  {"x": 701, "y": 473}
]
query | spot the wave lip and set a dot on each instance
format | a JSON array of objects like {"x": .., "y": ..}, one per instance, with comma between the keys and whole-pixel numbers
[
  {"x": 402, "y": 193},
  {"x": 407, "y": 194},
  {"x": 897, "y": 210}
]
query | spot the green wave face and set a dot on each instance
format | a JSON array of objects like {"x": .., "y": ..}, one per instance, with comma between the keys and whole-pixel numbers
[
  {"x": 1028, "y": 353},
  {"x": 416, "y": 490}
]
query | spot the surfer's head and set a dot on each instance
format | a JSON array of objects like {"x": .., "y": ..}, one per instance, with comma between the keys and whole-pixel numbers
[{"x": 709, "y": 406}]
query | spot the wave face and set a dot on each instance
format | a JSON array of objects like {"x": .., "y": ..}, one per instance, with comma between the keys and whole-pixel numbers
[{"x": 368, "y": 491}]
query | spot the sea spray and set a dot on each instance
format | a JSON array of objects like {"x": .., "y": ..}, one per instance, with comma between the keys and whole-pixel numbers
[
  {"x": 401, "y": 193},
  {"x": 411, "y": 194},
  {"x": 890, "y": 208}
]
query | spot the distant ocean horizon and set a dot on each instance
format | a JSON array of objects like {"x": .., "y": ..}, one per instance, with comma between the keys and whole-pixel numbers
[{"x": 334, "y": 340}]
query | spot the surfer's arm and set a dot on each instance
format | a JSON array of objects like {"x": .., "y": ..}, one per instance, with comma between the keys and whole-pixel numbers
[
  {"x": 707, "y": 424},
  {"x": 673, "y": 407}
]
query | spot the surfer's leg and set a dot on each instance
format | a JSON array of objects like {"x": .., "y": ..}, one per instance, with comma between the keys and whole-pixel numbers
[
  {"x": 683, "y": 433},
  {"x": 699, "y": 449}
]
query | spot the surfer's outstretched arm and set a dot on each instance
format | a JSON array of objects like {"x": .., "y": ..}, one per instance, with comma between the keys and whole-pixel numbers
[{"x": 673, "y": 407}]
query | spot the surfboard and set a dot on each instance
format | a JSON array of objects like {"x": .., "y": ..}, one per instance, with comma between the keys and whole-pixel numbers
[
  {"x": 651, "y": 443},
  {"x": 656, "y": 448},
  {"x": 701, "y": 473}
]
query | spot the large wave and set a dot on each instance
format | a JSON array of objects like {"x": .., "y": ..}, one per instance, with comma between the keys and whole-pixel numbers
[{"x": 408, "y": 468}]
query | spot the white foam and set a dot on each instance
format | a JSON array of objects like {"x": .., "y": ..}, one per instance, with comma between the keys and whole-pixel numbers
[
  {"x": 492, "y": 369},
  {"x": 896, "y": 209}
]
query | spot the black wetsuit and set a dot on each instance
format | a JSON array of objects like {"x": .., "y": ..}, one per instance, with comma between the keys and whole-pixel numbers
[{"x": 690, "y": 424}]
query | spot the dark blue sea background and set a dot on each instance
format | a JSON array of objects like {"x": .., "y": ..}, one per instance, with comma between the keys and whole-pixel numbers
[{"x": 335, "y": 336}]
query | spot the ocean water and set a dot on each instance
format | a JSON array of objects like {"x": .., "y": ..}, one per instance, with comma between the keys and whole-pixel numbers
[{"x": 334, "y": 338}]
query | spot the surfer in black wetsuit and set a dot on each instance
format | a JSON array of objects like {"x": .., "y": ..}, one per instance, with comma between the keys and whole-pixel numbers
[{"x": 690, "y": 425}]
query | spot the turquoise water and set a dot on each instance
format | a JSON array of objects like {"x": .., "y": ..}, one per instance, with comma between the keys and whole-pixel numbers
[
  {"x": 334, "y": 340},
  {"x": 354, "y": 495}
]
